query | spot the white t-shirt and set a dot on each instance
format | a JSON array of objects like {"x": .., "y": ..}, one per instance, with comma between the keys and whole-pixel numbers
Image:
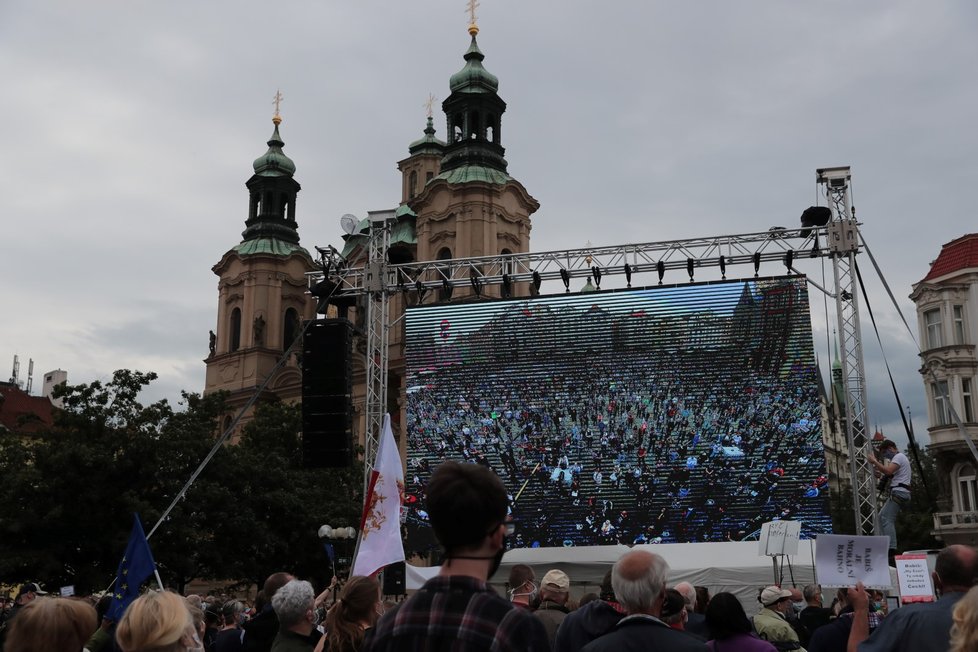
[{"x": 902, "y": 474}]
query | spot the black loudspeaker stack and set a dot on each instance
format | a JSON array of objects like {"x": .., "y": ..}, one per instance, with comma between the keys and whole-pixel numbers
[
  {"x": 395, "y": 580},
  {"x": 327, "y": 394}
]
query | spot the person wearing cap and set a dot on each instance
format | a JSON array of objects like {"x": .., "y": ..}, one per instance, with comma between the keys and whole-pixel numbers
[
  {"x": 554, "y": 592},
  {"x": 771, "y": 623},
  {"x": 457, "y": 609},
  {"x": 591, "y": 620},
  {"x": 29, "y": 591}
]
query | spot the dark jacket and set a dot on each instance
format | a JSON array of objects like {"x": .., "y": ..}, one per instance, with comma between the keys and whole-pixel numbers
[
  {"x": 260, "y": 631},
  {"x": 552, "y": 614},
  {"x": 696, "y": 625},
  {"x": 641, "y": 633},
  {"x": 585, "y": 624}
]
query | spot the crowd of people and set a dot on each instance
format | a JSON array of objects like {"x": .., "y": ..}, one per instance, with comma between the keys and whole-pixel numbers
[
  {"x": 635, "y": 608},
  {"x": 630, "y": 448}
]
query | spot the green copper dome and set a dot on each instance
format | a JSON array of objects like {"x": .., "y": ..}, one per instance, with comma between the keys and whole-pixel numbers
[
  {"x": 473, "y": 78},
  {"x": 429, "y": 144},
  {"x": 274, "y": 162}
]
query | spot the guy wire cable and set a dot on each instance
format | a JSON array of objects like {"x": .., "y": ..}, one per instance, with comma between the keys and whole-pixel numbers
[{"x": 896, "y": 394}]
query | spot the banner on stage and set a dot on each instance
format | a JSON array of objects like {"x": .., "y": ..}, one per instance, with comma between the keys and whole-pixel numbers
[
  {"x": 841, "y": 560},
  {"x": 779, "y": 538},
  {"x": 914, "y": 578}
]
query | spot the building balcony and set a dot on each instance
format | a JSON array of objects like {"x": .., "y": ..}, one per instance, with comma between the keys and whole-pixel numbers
[
  {"x": 954, "y": 356},
  {"x": 948, "y": 437},
  {"x": 956, "y": 527}
]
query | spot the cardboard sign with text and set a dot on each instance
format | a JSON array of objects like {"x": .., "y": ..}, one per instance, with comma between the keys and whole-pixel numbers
[
  {"x": 841, "y": 560},
  {"x": 914, "y": 578},
  {"x": 779, "y": 538}
]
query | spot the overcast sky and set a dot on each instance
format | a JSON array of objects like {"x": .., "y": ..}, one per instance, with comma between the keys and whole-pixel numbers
[{"x": 130, "y": 128}]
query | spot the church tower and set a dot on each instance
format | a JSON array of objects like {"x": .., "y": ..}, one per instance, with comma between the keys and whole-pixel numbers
[
  {"x": 262, "y": 297},
  {"x": 471, "y": 206}
]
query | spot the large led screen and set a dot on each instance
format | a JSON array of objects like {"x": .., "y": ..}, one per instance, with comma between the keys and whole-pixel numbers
[{"x": 665, "y": 414}]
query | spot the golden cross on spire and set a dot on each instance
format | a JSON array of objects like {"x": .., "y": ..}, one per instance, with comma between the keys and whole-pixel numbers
[
  {"x": 277, "y": 101},
  {"x": 429, "y": 104},
  {"x": 473, "y": 27}
]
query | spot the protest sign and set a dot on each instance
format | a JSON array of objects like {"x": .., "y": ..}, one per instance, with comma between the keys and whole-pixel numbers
[
  {"x": 779, "y": 538},
  {"x": 68, "y": 591},
  {"x": 914, "y": 578},
  {"x": 842, "y": 560}
]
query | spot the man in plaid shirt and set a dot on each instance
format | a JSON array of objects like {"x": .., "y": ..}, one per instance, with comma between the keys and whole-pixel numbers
[{"x": 458, "y": 610}]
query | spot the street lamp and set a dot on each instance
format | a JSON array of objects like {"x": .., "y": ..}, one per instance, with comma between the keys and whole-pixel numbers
[{"x": 336, "y": 534}]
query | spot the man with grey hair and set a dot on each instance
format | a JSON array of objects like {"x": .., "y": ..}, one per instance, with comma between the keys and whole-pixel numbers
[
  {"x": 639, "y": 581},
  {"x": 814, "y": 615},
  {"x": 695, "y": 622},
  {"x": 294, "y": 604}
]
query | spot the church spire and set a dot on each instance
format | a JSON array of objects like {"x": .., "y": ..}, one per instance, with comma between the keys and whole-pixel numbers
[
  {"x": 474, "y": 111},
  {"x": 272, "y": 191}
]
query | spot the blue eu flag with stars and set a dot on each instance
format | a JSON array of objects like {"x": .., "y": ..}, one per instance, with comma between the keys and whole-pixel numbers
[{"x": 136, "y": 567}]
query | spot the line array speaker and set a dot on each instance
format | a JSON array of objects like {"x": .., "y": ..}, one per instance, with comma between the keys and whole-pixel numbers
[{"x": 327, "y": 394}]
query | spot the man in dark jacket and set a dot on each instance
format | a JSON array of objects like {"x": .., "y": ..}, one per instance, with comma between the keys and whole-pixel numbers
[
  {"x": 260, "y": 631},
  {"x": 552, "y": 610},
  {"x": 590, "y": 621},
  {"x": 639, "y": 580}
]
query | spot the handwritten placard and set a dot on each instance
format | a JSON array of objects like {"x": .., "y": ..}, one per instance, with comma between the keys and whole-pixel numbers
[
  {"x": 914, "y": 578},
  {"x": 68, "y": 591},
  {"x": 779, "y": 538},
  {"x": 842, "y": 560}
]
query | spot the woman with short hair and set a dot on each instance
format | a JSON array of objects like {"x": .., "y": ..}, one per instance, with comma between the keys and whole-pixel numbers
[{"x": 47, "y": 624}]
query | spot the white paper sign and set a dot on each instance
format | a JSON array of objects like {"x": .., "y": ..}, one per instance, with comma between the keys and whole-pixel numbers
[
  {"x": 842, "y": 560},
  {"x": 779, "y": 538},
  {"x": 68, "y": 591},
  {"x": 914, "y": 578}
]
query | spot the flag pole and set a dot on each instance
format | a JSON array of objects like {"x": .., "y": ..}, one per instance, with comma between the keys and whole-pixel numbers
[{"x": 158, "y": 580}]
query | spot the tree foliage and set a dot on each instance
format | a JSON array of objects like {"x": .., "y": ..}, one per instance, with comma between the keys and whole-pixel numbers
[{"x": 68, "y": 493}]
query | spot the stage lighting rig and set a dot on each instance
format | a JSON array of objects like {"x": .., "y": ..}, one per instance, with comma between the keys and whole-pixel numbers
[
  {"x": 422, "y": 291},
  {"x": 628, "y": 274},
  {"x": 476, "y": 284},
  {"x": 537, "y": 281},
  {"x": 507, "y": 286},
  {"x": 690, "y": 264},
  {"x": 789, "y": 258},
  {"x": 757, "y": 263},
  {"x": 565, "y": 277},
  {"x": 660, "y": 267},
  {"x": 596, "y": 273},
  {"x": 723, "y": 267}
]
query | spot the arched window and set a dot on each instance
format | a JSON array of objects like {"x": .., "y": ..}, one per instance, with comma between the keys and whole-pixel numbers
[
  {"x": 508, "y": 266},
  {"x": 456, "y": 131},
  {"x": 492, "y": 128},
  {"x": 234, "y": 331},
  {"x": 445, "y": 294},
  {"x": 413, "y": 184},
  {"x": 965, "y": 488},
  {"x": 291, "y": 328},
  {"x": 474, "y": 127}
]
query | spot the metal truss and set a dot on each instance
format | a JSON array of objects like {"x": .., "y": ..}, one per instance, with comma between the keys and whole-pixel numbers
[
  {"x": 843, "y": 245},
  {"x": 378, "y": 334},
  {"x": 379, "y": 279}
]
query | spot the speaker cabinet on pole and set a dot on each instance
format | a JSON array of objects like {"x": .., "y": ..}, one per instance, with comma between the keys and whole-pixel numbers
[
  {"x": 327, "y": 394},
  {"x": 395, "y": 580}
]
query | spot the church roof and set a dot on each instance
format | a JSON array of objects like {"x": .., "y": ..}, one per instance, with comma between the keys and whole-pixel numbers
[
  {"x": 269, "y": 246},
  {"x": 274, "y": 162},
  {"x": 429, "y": 144},
  {"x": 955, "y": 256},
  {"x": 473, "y": 77},
  {"x": 475, "y": 173}
]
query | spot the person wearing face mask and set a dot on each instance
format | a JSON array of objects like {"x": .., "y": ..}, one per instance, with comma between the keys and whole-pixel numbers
[
  {"x": 294, "y": 605},
  {"x": 771, "y": 622},
  {"x": 457, "y": 609},
  {"x": 521, "y": 585}
]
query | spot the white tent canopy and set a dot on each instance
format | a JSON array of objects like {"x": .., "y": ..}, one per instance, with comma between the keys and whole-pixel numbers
[{"x": 735, "y": 567}]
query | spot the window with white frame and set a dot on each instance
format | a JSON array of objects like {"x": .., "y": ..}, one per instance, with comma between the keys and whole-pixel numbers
[
  {"x": 932, "y": 326},
  {"x": 969, "y": 410},
  {"x": 942, "y": 415},
  {"x": 958, "y": 318},
  {"x": 966, "y": 485}
]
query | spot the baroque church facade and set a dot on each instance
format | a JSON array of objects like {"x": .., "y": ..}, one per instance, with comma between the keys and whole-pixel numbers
[{"x": 457, "y": 200}]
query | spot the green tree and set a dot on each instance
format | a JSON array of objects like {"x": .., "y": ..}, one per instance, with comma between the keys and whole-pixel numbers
[{"x": 68, "y": 493}]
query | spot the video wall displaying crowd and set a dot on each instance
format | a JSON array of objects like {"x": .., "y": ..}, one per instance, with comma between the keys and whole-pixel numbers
[{"x": 659, "y": 415}]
